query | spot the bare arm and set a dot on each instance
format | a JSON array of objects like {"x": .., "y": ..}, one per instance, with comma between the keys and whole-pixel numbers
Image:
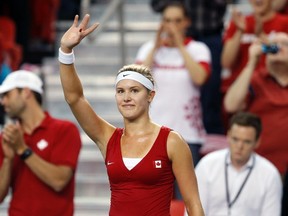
[
  {"x": 235, "y": 97},
  {"x": 196, "y": 71},
  {"x": 6, "y": 168},
  {"x": 232, "y": 46},
  {"x": 96, "y": 128},
  {"x": 5, "y": 176},
  {"x": 231, "y": 50},
  {"x": 182, "y": 165},
  {"x": 158, "y": 42},
  {"x": 55, "y": 176}
]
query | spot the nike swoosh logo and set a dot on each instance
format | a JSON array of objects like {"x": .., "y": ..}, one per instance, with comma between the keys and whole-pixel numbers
[
  {"x": 110, "y": 163},
  {"x": 124, "y": 75}
]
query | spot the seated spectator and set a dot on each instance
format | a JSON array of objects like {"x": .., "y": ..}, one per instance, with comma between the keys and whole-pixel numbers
[
  {"x": 241, "y": 32},
  {"x": 236, "y": 181},
  {"x": 180, "y": 65}
]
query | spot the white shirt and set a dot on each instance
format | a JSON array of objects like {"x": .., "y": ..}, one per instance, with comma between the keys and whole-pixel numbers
[
  {"x": 260, "y": 196},
  {"x": 177, "y": 100}
]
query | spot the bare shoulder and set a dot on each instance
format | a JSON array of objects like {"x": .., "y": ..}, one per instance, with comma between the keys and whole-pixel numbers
[
  {"x": 176, "y": 144},
  {"x": 174, "y": 138}
]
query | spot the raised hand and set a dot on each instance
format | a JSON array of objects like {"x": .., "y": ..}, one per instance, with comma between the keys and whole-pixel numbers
[
  {"x": 7, "y": 150},
  {"x": 76, "y": 33},
  {"x": 161, "y": 37},
  {"x": 255, "y": 49},
  {"x": 239, "y": 19},
  {"x": 13, "y": 141}
]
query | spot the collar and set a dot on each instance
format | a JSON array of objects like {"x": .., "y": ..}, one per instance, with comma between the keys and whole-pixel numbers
[
  {"x": 44, "y": 123},
  {"x": 248, "y": 165},
  {"x": 46, "y": 120},
  {"x": 264, "y": 72}
]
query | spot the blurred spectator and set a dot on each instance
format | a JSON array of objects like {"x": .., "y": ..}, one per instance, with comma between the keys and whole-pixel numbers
[
  {"x": 11, "y": 52},
  {"x": 242, "y": 31},
  {"x": 44, "y": 16},
  {"x": 207, "y": 21},
  {"x": 236, "y": 181},
  {"x": 19, "y": 12},
  {"x": 35, "y": 23},
  {"x": 264, "y": 92},
  {"x": 4, "y": 71},
  {"x": 180, "y": 66},
  {"x": 207, "y": 26}
]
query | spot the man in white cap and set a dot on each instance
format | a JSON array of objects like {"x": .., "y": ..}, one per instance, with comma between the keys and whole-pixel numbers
[{"x": 38, "y": 153}]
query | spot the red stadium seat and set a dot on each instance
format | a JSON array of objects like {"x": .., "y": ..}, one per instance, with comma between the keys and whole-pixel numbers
[{"x": 177, "y": 208}]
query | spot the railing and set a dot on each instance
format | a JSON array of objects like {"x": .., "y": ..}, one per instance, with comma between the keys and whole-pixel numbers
[{"x": 114, "y": 7}]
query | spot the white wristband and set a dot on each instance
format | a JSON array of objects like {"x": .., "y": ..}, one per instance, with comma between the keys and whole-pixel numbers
[{"x": 66, "y": 58}]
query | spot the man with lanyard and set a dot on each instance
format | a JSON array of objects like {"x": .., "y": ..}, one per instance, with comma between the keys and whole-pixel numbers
[{"x": 236, "y": 181}]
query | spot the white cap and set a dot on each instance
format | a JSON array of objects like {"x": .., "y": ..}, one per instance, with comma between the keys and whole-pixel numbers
[{"x": 22, "y": 79}]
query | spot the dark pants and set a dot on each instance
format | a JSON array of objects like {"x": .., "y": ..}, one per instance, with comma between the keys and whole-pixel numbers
[
  {"x": 210, "y": 91},
  {"x": 285, "y": 196},
  {"x": 195, "y": 150}
]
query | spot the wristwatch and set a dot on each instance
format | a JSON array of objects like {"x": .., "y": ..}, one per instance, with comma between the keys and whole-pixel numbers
[{"x": 26, "y": 154}]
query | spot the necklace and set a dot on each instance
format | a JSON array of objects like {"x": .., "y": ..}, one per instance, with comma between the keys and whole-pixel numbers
[{"x": 228, "y": 198}]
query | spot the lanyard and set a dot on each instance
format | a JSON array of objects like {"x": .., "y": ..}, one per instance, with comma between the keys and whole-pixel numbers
[{"x": 229, "y": 202}]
